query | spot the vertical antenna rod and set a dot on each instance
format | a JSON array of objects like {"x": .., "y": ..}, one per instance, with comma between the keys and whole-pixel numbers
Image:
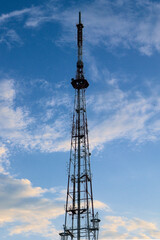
[{"x": 79, "y": 44}]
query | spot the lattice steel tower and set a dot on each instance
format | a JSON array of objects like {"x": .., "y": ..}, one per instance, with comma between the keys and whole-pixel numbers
[{"x": 80, "y": 220}]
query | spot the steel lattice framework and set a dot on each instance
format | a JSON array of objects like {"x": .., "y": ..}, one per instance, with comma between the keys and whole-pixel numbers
[{"x": 80, "y": 220}]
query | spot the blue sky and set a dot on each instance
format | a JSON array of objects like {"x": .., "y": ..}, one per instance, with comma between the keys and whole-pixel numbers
[{"x": 122, "y": 64}]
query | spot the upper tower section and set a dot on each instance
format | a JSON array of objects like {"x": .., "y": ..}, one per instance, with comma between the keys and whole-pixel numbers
[{"x": 79, "y": 82}]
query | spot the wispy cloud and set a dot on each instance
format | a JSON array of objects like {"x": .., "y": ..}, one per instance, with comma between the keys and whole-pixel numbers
[
  {"x": 7, "y": 91},
  {"x": 9, "y": 35},
  {"x": 124, "y": 117},
  {"x": 101, "y": 206},
  {"x": 17, "y": 126},
  {"x": 14, "y": 14},
  {"x": 108, "y": 23},
  {"x": 116, "y": 114},
  {"x": 10, "y": 38},
  {"x": 35, "y": 15},
  {"x": 118, "y": 23},
  {"x": 4, "y": 159},
  {"x": 13, "y": 119}
]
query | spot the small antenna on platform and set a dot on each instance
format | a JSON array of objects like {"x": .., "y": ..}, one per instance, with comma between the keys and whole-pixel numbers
[{"x": 79, "y": 17}]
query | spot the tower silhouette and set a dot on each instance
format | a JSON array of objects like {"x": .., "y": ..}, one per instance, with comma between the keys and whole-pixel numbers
[{"x": 80, "y": 220}]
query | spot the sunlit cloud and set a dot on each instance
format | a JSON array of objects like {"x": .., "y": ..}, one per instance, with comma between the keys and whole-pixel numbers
[
  {"x": 26, "y": 207},
  {"x": 117, "y": 227},
  {"x": 101, "y": 206}
]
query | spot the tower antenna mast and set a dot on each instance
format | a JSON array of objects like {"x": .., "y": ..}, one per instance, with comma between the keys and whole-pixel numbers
[{"x": 80, "y": 220}]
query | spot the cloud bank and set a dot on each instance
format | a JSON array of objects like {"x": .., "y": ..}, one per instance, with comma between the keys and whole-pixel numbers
[
  {"x": 25, "y": 209},
  {"x": 116, "y": 114}
]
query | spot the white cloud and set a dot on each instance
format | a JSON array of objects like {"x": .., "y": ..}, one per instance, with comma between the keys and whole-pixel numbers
[
  {"x": 48, "y": 138},
  {"x": 102, "y": 206},
  {"x": 60, "y": 100},
  {"x": 115, "y": 114},
  {"x": 4, "y": 162},
  {"x": 8, "y": 35},
  {"x": 117, "y": 227},
  {"x": 124, "y": 117},
  {"x": 12, "y": 119},
  {"x": 7, "y": 90},
  {"x": 17, "y": 125},
  {"x": 17, "y": 190},
  {"x": 35, "y": 15},
  {"x": 2, "y": 150},
  {"x": 11, "y": 38},
  {"x": 113, "y": 24},
  {"x": 16, "y": 13},
  {"x": 26, "y": 210},
  {"x": 109, "y": 23},
  {"x": 26, "y": 207}
]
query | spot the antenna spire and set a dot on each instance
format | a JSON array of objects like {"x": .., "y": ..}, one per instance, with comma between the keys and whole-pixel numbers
[
  {"x": 79, "y": 44},
  {"x": 79, "y": 17},
  {"x": 79, "y": 82}
]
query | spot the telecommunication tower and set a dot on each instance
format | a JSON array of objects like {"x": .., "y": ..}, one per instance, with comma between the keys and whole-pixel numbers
[{"x": 80, "y": 220}]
